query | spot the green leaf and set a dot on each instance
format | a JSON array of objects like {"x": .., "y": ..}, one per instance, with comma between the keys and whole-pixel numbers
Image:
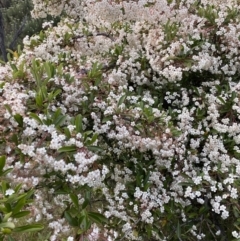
[
  {"x": 61, "y": 192},
  {"x": 4, "y": 186},
  {"x": 7, "y": 216},
  {"x": 3, "y": 208},
  {"x": 17, "y": 188},
  {"x": 72, "y": 221},
  {"x": 21, "y": 214},
  {"x": 57, "y": 113},
  {"x": 67, "y": 132},
  {"x": 14, "y": 138},
  {"x": 14, "y": 67},
  {"x": 94, "y": 148},
  {"x": 36, "y": 71},
  {"x": 88, "y": 194},
  {"x": 106, "y": 118},
  {"x": 121, "y": 100},
  {"x": 86, "y": 223},
  {"x": 85, "y": 203},
  {"x": 80, "y": 231},
  {"x": 47, "y": 67},
  {"x": 5, "y": 172},
  {"x": 8, "y": 108},
  {"x": 10, "y": 238},
  {"x": 15, "y": 197},
  {"x": 97, "y": 217},
  {"x": 18, "y": 118},
  {"x": 149, "y": 230},
  {"x": 86, "y": 134},
  {"x": 94, "y": 138},
  {"x": 56, "y": 93},
  {"x": 29, "y": 228},
  {"x": 67, "y": 149},
  {"x": 10, "y": 51},
  {"x": 235, "y": 211},
  {"x": 19, "y": 50},
  {"x": 60, "y": 120},
  {"x": 36, "y": 118},
  {"x": 178, "y": 231},
  {"x": 74, "y": 199},
  {"x": 222, "y": 100},
  {"x": 7, "y": 225},
  {"x": 190, "y": 183},
  {"x": 60, "y": 69},
  {"x": 39, "y": 100},
  {"x": 80, "y": 219},
  {"x": 78, "y": 123},
  {"x": 19, "y": 205},
  {"x": 2, "y": 162}
]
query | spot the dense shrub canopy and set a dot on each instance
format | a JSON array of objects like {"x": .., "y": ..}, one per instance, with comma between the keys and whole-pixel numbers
[{"x": 125, "y": 118}]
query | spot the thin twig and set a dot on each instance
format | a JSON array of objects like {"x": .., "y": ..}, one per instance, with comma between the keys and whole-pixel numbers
[
  {"x": 17, "y": 34},
  {"x": 91, "y": 35},
  {"x": 2, "y": 38}
]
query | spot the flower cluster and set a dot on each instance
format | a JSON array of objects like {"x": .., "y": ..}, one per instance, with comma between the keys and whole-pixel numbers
[{"x": 127, "y": 114}]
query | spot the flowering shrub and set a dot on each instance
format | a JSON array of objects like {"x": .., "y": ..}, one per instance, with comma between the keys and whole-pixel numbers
[
  {"x": 12, "y": 202},
  {"x": 125, "y": 119}
]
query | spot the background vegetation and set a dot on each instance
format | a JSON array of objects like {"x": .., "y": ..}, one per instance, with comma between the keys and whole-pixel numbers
[
  {"x": 16, "y": 23},
  {"x": 122, "y": 122}
]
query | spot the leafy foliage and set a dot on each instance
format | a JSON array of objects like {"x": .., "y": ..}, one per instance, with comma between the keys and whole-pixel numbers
[
  {"x": 12, "y": 203},
  {"x": 128, "y": 121}
]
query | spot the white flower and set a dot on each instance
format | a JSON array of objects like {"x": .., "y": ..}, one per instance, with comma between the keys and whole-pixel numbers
[
  {"x": 225, "y": 214},
  {"x": 235, "y": 234},
  {"x": 70, "y": 239},
  {"x": 234, "y": 193},
  {"x": 9, "y": 192}
]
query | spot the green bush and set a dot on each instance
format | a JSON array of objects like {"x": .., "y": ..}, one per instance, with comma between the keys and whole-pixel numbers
[
  {"x": 12, "y": 202},
  {"x": 124, "y": 118}
]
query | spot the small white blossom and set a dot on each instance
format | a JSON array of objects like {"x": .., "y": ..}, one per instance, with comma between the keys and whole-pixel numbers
[{"x": 9, "y": 192}]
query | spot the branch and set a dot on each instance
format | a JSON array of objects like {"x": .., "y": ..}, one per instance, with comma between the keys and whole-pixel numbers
[
  {"x": 16, "y": 35},
  {"x": 2, "y": 37},
  {"x": 91, "y": 35}
]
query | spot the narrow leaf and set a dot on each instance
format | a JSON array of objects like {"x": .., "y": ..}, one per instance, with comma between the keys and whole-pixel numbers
[
  {"x": 67, "y": 149},
  {"x": 36, "y": 118},
  {"x": 122, "y": 99},
  {"x": 57, "y": 92},
  {"x": 7, "y": 225},
  {"x": 72, "y": 221},
  {"x": 67, "y": 132},
  {"x": 59, "y": 120},
  {"x": 94, "y": 138},
  {"x": 179, "y": 231},
  {"x": 18, "y": 118},
  {"x": 97, "y": 217},
  {"x": 21, "y": 214},
  {"x": 29, "y": 228},
  {"x": 85, "y": 203},
  {"x": 2, "y": 162},
  {"x": 19, "y": 205},
  {"x": 5, "y": 172},
  {"x": 78, "y": 123},
  {"x": 74, "y": 199},
  {"x": 7, "y": 216},
  {"x": 10, "y": 238},
  {"x": 94, "y": 148}
]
